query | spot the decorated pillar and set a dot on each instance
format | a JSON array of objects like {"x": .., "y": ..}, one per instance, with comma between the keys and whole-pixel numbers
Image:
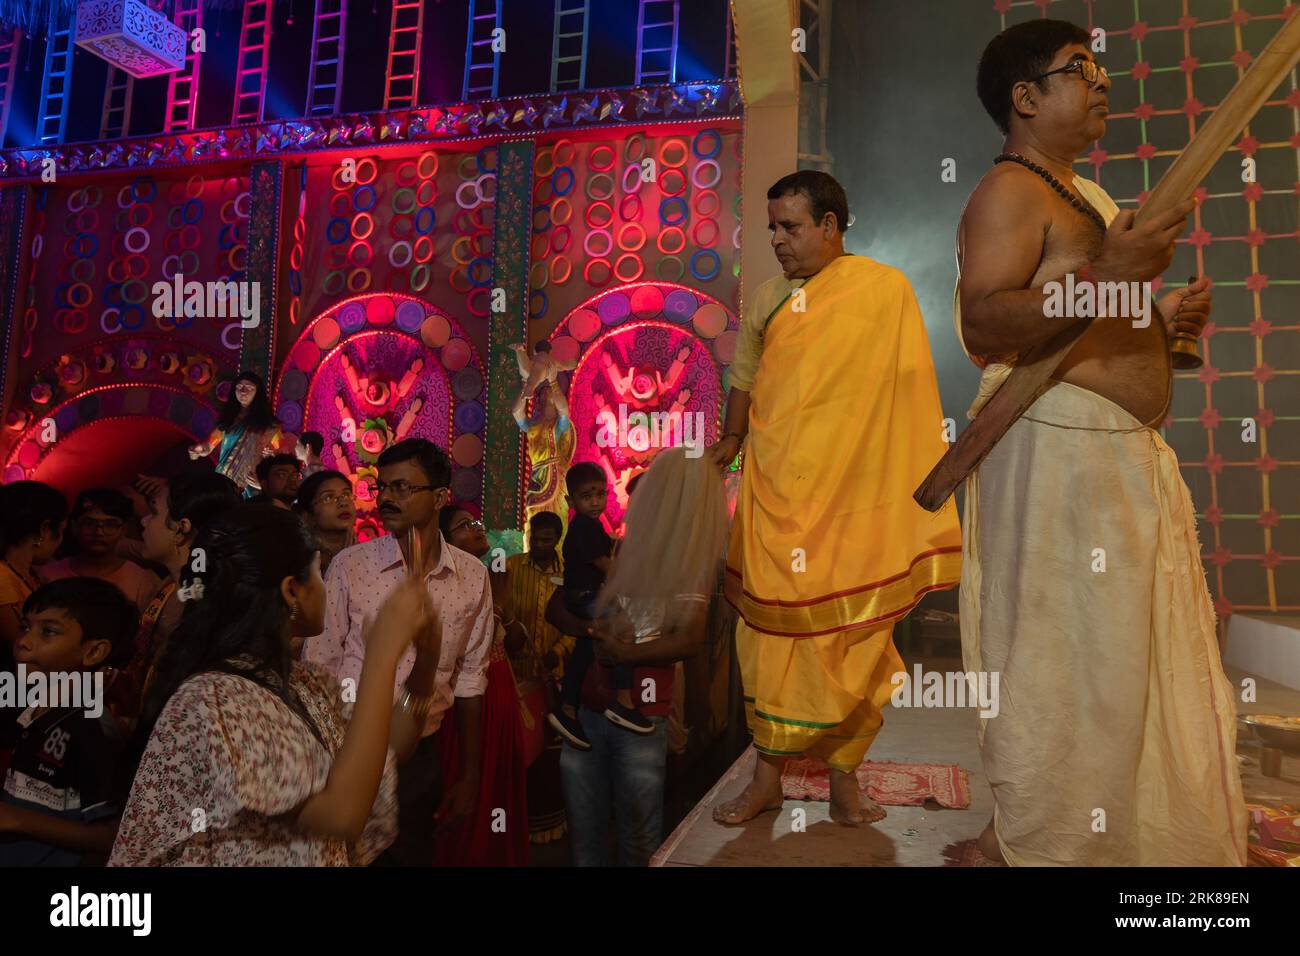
[
  {"x": 13, "y": 205},
  {"x": 257, "y": 345},
  {"x": 503, "y": 471}
]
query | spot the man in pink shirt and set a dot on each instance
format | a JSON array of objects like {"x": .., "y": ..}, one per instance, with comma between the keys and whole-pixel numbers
[{"x": 414, "y": 479}]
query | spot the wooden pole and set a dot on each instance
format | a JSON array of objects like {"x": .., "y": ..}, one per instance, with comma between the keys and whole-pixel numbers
[{"x": 1032, "y": 376}]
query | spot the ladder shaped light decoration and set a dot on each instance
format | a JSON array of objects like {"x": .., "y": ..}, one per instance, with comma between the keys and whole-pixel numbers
[
  {"x": 10, "y": 43},
  {"x": 129, "y": 35},
  {"x": 115, "y": 116},
  {"x": 482, "y": 51},
  {"x": 325, "y": 74},
  {"x": 254, "y": 56},
  {"x": 569, "y": 46},
  {"x": 405, "y": 35},
  {"x": 183, "y": 87},
  {"x": 56, "y": 79},
  {"x": 656, "y": 41}
]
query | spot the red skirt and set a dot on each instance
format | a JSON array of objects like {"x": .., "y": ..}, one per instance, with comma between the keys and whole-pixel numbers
[{"x": 496, "y": 834}]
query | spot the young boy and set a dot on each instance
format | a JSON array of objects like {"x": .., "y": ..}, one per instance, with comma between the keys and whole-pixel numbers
[
  {"x": 55, "y": 808},
  {"x": 587, "y": 550}
]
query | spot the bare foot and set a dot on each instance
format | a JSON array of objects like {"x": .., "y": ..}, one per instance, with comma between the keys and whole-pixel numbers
[
  {"x": 851, "y": 807},
  {"x": 763, "y": 793},
  {"x": 988, "y": 845}
]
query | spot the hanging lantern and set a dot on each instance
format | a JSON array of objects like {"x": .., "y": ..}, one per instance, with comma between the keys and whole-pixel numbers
[{"x": 131, "y": 36}]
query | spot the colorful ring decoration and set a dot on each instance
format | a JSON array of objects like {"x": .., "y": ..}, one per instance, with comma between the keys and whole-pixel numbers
[
  {"x": 561, "y": 205},
  {"x": 485, "y": 265},
  {"x": 606, "y": 190},
  {"x": 420, "y": 276},
  {"x": 634, "y": 171},
  {"x": 338, "y": 230},
  {"x": 633, "y": 258},
  {"x": 408, "y": 203},
  {"x": 566, "y": 158},
  {"x": 431, "y": 159},
  {"x": 607, "y": 158},
  {"x": 629, "y": 245},
  {"x": 367, "y": 192},
  {"x": 402, "y": 261},
  {"x": 426, "y": 192},
  {"x": 406, "y": 174},
  {"x": 672, "y": 182},
  {"x": 559, "y": 240},
  {"x": 537, "y": 304},
  {"x": 568, "y": 179},
  {"x": 604, "y": 219},
  {"x": 676, "y": 233},
  {"x": 363, "y": 224},
  {"x": 680, "y": 149},
  {"x": 637, "y": 140},
  {"x": 709, "y": 164},
  {"x": 425, "y": 220},
  {"x": 547, "y": 156},
  {"x": 461, "y": 200},
  {"x": 705, "y": 275},
  {"x": 423, "y": 249},
  {"x": 709, "y": 198},
  {"x": 538, "y": 275},
  {"x": 699, "y": 236},
  {"x": 677, "y": 206},
  {"x": 670, "y": 269},
  {"x": 624, "y": 213},
  {"x": 598, "y": 233},
  {"x": 715, "y": 143},
  {"x": 561, "y": 269},
  {"x": 592, "y": 278},
  {"x": 371, "y": 170},
  {"x": 542, "y": 191}
]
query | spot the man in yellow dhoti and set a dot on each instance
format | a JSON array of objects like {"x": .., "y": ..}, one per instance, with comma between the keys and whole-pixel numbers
[
  {"x": 1082, "y": 584},
  {"x": 833, "y": 386}
]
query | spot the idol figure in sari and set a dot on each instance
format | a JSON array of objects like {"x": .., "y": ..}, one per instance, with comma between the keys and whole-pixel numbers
[{"x": 246, "y": 431}]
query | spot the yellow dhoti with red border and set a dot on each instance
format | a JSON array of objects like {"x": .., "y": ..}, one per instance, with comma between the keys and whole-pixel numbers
[{"x": 829, "y": 549}]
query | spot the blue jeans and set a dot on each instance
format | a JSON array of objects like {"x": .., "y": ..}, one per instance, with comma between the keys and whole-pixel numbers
[{"x": 622, "y": 772}]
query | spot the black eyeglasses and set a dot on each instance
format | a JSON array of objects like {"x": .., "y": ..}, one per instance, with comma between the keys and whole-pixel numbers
[
  {"x": 400, "y": 490},
  {"x": 1088, "y": 69}
]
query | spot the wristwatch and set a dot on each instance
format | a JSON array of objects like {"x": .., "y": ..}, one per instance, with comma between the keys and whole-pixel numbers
[{"x": 415, "y": 704}]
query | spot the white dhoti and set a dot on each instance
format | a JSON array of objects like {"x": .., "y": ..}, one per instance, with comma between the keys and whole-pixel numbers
[{"x": 1114, "y": 742}]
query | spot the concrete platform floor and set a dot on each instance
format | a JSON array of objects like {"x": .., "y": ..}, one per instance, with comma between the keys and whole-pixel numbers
[{"x": 912, "y": 836}]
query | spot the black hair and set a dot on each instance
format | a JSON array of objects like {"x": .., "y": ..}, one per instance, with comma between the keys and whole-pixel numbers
[
  {"x": 547, "y": 521},
  {"x": 631, "y": 485},
  {"x": 24, "y": 507},
  {"x": 200, "y": 497},
  {"x": 313, "y": 440},
  {"x": 259, "y": 418},
  {"x": 108, "y": 500},
  {"x": 311, "y": 487},
  {"x": 1019, "y": 54},
  {"x": 264, "y": 466},
  {"x": 448, "y": 512},
  {"x": 543, "y": 346},
  {"x": 822, "y": 190},
  {"x": 433, "y": 461},
  {"x": 583, "y": 473},
  {"x": 98, "y": 606},
  {"x": 236, "y": 620}
]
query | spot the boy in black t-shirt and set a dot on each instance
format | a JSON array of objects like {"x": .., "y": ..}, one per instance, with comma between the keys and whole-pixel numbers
[
  {"x": 55, "y": 808},
  {"x": 587, "y": 550}
]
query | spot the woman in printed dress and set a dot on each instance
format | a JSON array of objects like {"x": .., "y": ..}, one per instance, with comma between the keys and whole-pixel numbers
[
  {"x": 253, "y": 758},
  {"x": 488, "y": 838},
  {"x": 246, "y": 432}
]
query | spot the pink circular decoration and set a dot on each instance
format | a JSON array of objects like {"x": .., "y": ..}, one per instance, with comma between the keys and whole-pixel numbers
[
  {"x": 29, "y": 454},
  {"x": 325, "y": 333},
  {"x": 710, "y": 320},
  {"x": 455, "y": 355},
  {"x": 725, "y": 347},
  {"x": 467, "y": 450},
  {"x": 435, "y": 331},
  {"x": 380, "y": 310},
  {"x": 584, "y": 325},
  {"x": 647, "y": 302},
  {"x": 305, "y": 355},
  {"x": 565, "y": 348}
]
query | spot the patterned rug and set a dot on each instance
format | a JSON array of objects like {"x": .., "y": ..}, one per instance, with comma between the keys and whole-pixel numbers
[{"x": 889, "y": 784}]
